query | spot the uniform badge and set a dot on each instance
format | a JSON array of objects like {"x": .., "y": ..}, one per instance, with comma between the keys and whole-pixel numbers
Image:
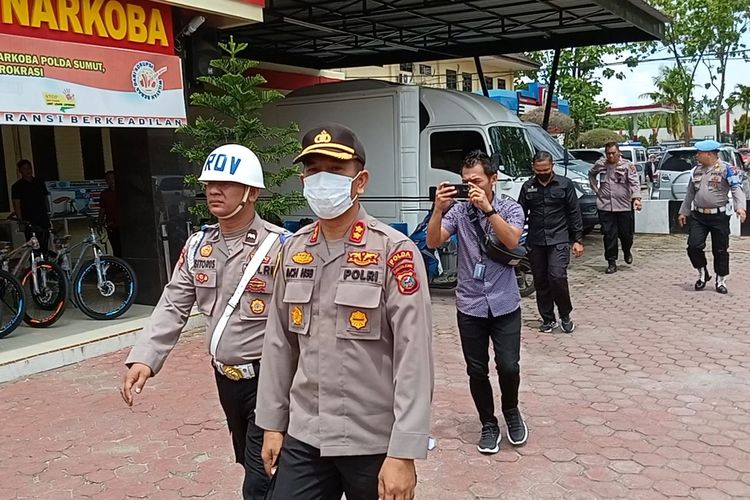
[
  {"x": 257, "y": 306},
  {"x": 407, "y": 283},
  {"x": 315, "y": 233},
  {"x": 201, "y": 278},
  {"x": 252, "y": 236},
  {"x": 181, "y": 260},
  {"x": 363, "y": 258},
  {"x": 358, "y": 232},
  {"x": 266, "y": 260},
  {"x": 298, "y": 316},
  {"x": 255, "y": 285},
  {"x": 206, "y": 250},
  {"x": 398, "y": 257},
  {"x": 322, "y": 137},
  {"x": 302, "y": 258},
  {"x": 358, "y": 320}
]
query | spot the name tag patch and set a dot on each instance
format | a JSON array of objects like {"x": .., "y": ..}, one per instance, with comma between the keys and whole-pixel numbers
[
  {"x": 306, "y": 273},
  {"x": 365, "y": 275},
  {"x": 205, "y": 263}
]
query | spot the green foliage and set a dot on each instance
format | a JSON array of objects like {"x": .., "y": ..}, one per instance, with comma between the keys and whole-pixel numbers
[
  {"x": 673, "y": 85},
  {"x": 644, "y": 141},
  {"x": 742, "y": 128},
  {"x": 234, "y": 101},
  {"x": 598, "y": 137}
]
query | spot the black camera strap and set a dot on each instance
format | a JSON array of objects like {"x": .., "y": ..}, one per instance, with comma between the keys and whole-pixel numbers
[{"x": 478, "y": 229}]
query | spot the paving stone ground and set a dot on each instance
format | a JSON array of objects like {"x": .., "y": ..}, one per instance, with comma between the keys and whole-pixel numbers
[{"x": 648, "y": 399}]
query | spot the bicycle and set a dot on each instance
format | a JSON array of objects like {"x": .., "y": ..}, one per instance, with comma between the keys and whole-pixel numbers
[
  {"x": 42, "y": 281},
  {"x": 103, "y": 287},
  {"x": 12, "y": 303}
]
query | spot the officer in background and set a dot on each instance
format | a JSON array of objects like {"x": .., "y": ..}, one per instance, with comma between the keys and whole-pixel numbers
[
  {"x": 706, "y": 204},
  {"x": 650, "y": 171},
  {"x": 618, "y": 192},
  {"x": 208, "y": 273},
  {"x": 347, "y": 377}
]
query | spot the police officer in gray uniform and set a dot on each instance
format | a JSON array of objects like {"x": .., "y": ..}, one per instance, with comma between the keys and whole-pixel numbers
[
  {"x": 231, "y": 262},
  {"x": 347, "y": 376},
  {"x": 706, "y": 204}
]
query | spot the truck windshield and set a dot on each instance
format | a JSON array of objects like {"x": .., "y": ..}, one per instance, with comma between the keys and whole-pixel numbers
[
  {"x": 542, "y": 141},
  {"x": 515, "y": 154}
]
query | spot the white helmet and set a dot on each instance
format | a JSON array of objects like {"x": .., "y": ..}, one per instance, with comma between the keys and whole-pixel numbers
[{"x": 233, "y": 163}]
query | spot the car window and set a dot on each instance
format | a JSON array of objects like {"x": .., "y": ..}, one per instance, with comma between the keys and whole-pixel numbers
[
  {"x": 726, "y": 156},
  {"x": 448, "y": 149},
  {"x": 514, "y": 148},
  {"x": 627, "y": 154},
  {"x": 678, "y": 161},
  {"x": 641, "y": 155},
  {"x": 542, "y": 141},
  {"x": 588, "y": 156},
  {"x": 738, "y": 160}
]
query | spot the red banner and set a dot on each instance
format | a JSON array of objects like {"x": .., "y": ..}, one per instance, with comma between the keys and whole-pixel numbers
[{"x": 128, "y": 24}]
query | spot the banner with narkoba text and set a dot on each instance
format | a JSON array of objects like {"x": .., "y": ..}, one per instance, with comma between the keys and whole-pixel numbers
[{"x": 46, "y": 82}]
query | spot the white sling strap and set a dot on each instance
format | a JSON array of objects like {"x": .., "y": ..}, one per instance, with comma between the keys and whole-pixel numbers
[{"x": 250, "y": 270}]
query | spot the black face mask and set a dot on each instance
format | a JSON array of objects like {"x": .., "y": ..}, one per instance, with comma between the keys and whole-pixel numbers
[{"x": 544, "y": 178}]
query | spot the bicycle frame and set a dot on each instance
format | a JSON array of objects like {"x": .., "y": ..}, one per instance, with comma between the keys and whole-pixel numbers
[
  {"x": 27, "y": 251},
  {"x": 89, "y": 243}
]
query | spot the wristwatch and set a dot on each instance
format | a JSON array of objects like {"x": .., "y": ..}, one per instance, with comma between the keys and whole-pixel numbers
[{"x": 490, "y": 213}]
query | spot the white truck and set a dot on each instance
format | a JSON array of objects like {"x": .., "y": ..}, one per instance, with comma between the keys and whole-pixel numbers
[{"x": 415, "y": 137}]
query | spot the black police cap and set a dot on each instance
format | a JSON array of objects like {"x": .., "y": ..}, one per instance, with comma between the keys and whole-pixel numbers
[{"x": 332, "y": 139}]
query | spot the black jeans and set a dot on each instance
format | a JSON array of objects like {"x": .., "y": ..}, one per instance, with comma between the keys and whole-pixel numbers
[
  {"x": 115, "y": 242},
  {"x": 549, "y": 265},
  {"x": 700, "y": 227},
  {"x": 238, "y": 401},
  {"x": 304, "y": 475},
  {"x": 617, "y": 225},
  {"x": 505, "y": 332}
]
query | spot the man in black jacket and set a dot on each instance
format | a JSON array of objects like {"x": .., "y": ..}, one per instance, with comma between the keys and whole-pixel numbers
[{"x": 551, "y": 206}]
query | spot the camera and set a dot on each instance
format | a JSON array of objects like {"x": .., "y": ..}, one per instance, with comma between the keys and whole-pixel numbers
[{"x": 462, "y": 191}]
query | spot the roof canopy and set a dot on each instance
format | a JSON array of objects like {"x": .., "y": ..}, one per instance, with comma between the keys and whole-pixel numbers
[{"x": 335, "y": 34}]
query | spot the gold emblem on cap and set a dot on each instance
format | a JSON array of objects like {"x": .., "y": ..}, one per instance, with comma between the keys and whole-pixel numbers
[
  {"x": 232, "y": 373},
  {"x": 322, "y": 137}
]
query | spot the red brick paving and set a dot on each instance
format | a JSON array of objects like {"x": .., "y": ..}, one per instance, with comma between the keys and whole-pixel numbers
[{"x": 648, "y": 399}]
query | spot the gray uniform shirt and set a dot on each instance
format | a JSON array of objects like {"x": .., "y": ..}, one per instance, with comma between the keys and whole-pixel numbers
[
  {"x": 347, "y": 358},
  {"x": 618, "y": 185},
  {"x": 709, "y": 187},
  {"x": 215, "y": 275}
]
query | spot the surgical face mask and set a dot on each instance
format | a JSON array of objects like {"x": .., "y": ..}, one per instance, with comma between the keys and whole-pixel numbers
[{"x": 329, "y": 195}]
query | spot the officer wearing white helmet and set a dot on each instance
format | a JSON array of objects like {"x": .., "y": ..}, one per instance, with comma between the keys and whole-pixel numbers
[{"x": 227, "y": 270}]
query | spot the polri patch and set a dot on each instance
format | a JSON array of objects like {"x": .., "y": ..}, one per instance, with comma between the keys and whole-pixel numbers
[{"x": 206, "y": 250}]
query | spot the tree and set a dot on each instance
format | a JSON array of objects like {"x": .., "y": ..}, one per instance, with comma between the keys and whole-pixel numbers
[
  {"x": 655, "y": 121},
  {"x": 559, "y": 123},
  {"x": 234, "y": 101},
  {"x": 742, "y": 128},
  {"x": 580, "y": 79},
  {"x": 741, "y": 97},
  {"x": 704, "y": 112},
  {"x": 598, "y": 137},
  {"x": 696, "y": 28},
  {"x": 671, "y": 88},
  {"x": 729, "y": 22}
]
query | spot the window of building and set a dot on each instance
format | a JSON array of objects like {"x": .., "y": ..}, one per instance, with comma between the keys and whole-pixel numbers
[
  {"x": 425, "y": 69},
  {"x": 409, "y": 67},
  {"x": 451, "y": 79},
  {"x": 467, "y": 82},
  {"x": 488, "y": 82},
  {"x": 45, "y": 153},
  {"x": 92, "y": 151},
  {"x": 447, "y": 149},
  {"x": 501, "y": 83}
]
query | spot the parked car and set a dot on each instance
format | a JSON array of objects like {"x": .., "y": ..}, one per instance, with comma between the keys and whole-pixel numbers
[
  {"x": 636, "y": 154},
  {"x": 567, "y": 166},
  {"x": 745, "y": 154},
  {"x": 587, "y": 155},
  {"x": 675, "y": 167}
]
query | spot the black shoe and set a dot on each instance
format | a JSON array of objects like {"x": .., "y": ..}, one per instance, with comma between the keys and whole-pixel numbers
[
  {"x": 611, "y": 268},
  {"x": 567, "y": 325},
  {"x": 489, "y": 441},
  {"x": 721, "y": 288},
  {"x": 518, "y": 433},
  {"x": 628, "y": 258},
  {"x": 547, "y": 326},
  {"x": 701, "y": 284}
]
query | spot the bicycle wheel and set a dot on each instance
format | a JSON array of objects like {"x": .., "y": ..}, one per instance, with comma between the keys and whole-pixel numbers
[
  {"x": 114, "y": 296},
  {"x": 47, "y": 304},
  {"x": 12, "y": 303}
]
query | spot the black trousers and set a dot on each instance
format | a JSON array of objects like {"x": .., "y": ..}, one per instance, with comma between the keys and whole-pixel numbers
[
  {"x": 701, "y": 225},
  {"x": 505, "y": 332},
  {"x": 113, "y": 235},
  {"x": 238, "y": 401},
  {"x": 617, "y": 225},
  {"x": 549, "y": 265},
  {"x": 304, "y": 475}
]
